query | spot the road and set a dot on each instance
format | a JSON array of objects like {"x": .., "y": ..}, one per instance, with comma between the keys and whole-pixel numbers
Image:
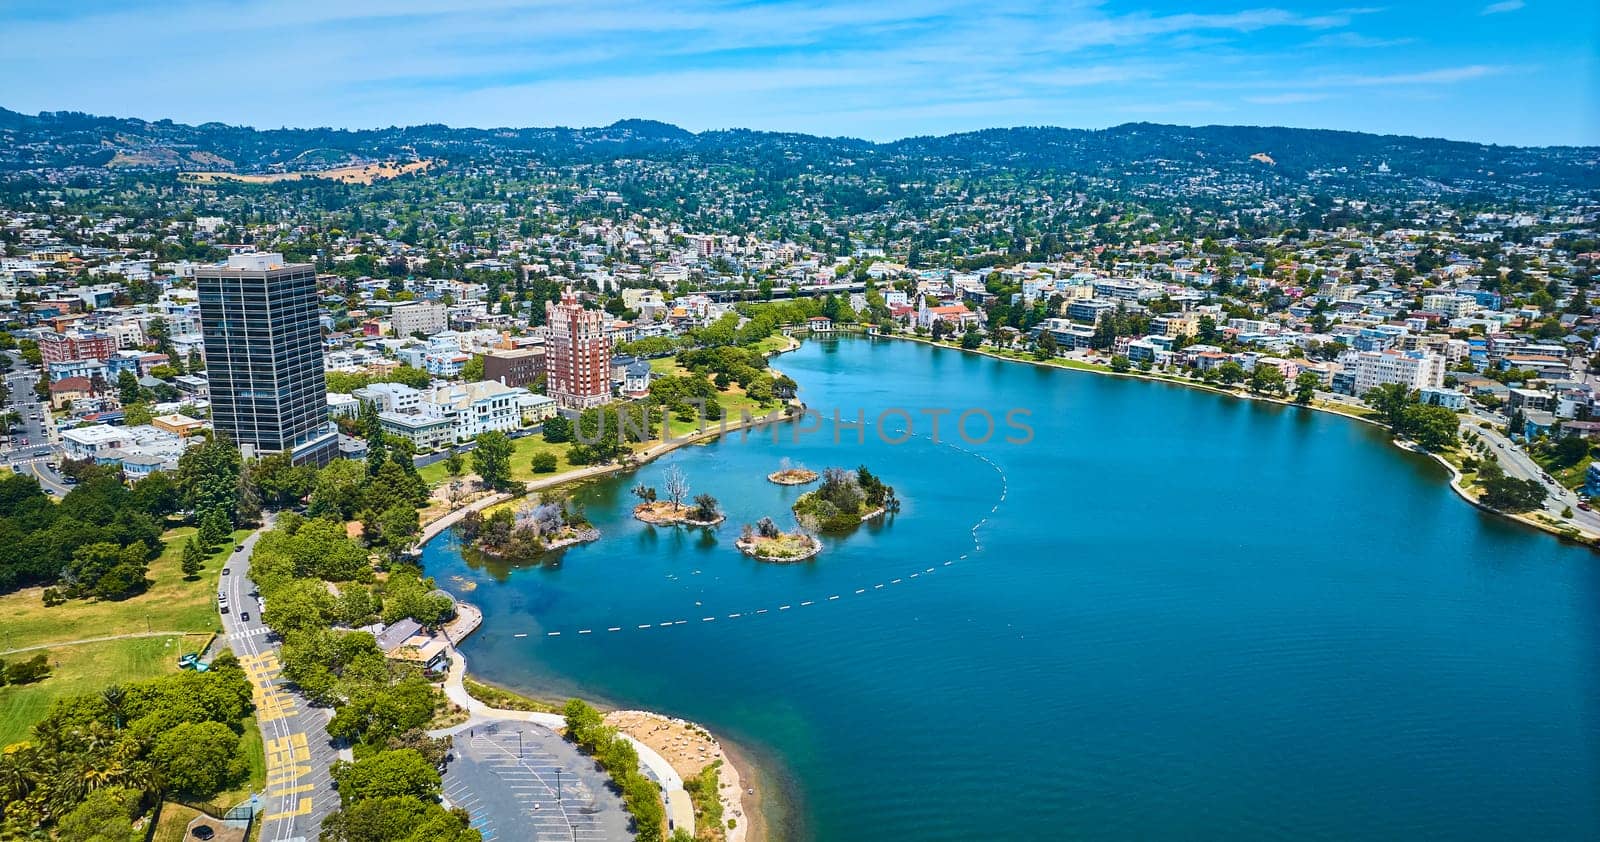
[
  {"x": 299, "y": 792},
  {"x": 37, "y": 429},
  {"x": 1517, "y": 463}
]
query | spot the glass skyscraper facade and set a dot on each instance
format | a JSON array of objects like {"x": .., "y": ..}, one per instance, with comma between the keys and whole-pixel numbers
[{"x": 264, "y": 357}]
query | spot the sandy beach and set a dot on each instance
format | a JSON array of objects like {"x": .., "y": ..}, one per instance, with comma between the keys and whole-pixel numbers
[{"x": 690, "y": 749}]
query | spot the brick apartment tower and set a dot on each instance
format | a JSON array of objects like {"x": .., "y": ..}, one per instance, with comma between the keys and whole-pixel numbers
[{"x": 577, "y": 354}]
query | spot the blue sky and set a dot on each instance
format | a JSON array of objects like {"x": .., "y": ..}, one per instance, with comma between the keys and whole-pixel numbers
[{"x": 1502, "y": 71}]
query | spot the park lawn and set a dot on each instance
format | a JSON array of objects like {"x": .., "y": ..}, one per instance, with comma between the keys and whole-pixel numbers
[
  {"x": 89, "y": 668},
  {"x": 523, "y": 451},
  {"x": 663, "y": 366},
  {"x": 734, "y": 403},
  {"x": 170, "y": 604},
  {"x": 437, "y": 473},
  {"x": 173, "y": 826},
  {"x": 774, "y": 343}
]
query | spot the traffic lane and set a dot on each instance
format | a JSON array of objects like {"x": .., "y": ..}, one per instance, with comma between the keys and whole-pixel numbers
[
  {"x": 1518, "y": 464},
  {"x": 299, "y": 792}
]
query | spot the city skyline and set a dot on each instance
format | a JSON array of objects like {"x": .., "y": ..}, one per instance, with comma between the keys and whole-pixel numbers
[{"x": 1510, "y": 72}]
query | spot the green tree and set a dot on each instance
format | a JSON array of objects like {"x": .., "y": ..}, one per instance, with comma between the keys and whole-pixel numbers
[
  {"x": 397, "y": 819},
  {"x": 403, "y": 772},
  {"x": 454, "y": 464},
  {"x": 279, "y": 482},
  {"x": 1266, "y": 379},
  {"x": 336, "y": 492},
  {"x": 104, "y": 815},
  {"x": 194, "y": 559},
  {"x": 1230, "y": 372},
  {"x": 209, "y": 477},
  {"x": 472, "y": 371},
  {"x": 214, "y": 529},
  {"x": 1509, "y": 494},
  {"x": 199, "y": 759},
  {"x": 1046, "y": 347},
  {"x": 1305, "y": 387},
  {"x": 1433, "y": 427},
  {"x": 491, "y": 459},
  {"x": 127, "y": 387},
  {"x": 301, "y": 605},
  {"x": 544, "y": 462},
  {"x": 557, "y": 430},
  {"x": 1391, "y": 400},
  {"x": 1119, "y": 363}
]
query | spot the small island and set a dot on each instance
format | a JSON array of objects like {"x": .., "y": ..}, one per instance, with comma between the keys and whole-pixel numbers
[
  {"x": 844, "y": 501},
  {"x": 765, "y": 542},
  {"x": 789, "y": 473},
  {"x": 528, "y": 532},
  {"x": 673, "y": 510}
]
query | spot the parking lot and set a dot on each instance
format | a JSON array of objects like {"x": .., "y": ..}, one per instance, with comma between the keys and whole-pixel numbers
[{"x": 521, "y": 781}]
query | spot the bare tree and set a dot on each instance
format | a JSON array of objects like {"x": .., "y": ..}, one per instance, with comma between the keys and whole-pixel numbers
[{"x": 677, "y": 486}]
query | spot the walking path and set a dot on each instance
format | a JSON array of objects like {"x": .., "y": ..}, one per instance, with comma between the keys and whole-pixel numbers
[
  {"x": 680, "y": 810},
  {"x": 434, "y": 527},
  {"x": 128, "y": 636}
]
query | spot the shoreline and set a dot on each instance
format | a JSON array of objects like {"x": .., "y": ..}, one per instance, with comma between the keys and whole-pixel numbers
[
  {"x": 752, "y": 806},
  {"x": 1571, "y": 533}
]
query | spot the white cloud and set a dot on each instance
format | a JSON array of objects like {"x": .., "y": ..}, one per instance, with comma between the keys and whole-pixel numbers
[
  {"x": 1503, "y": 6},
  {"x": 1441, "y": 76},
  {"x": 1290, "y": 98},
  {"x": 1354, "y": 41}
]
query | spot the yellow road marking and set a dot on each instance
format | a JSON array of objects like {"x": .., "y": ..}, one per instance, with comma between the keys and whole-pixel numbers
[
  {"x": 273, "y": 704},
  {"x": 275, "y": 793},
  {"x": 303, "y": 809},
  {"x": 287, "y": 774}
]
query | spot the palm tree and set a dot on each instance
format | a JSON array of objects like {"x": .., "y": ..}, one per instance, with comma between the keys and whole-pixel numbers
[
  {"x": 113, "y": 696},
  {"x": 15, "y": 782}
]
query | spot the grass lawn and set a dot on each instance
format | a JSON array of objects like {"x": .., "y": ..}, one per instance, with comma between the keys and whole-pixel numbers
[
  {"x": 773, "y": 343},
  {"x": 173, "y": 826},
  {"x": 170, "y": 604},
  {"x": 499, "y": 697},
  {"x": 89, "y": 668}
]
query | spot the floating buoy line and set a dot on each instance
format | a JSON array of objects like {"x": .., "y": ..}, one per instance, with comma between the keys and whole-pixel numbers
[{"x": 977, "y": 546}]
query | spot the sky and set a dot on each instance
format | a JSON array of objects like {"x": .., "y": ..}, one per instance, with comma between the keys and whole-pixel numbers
[{"x": 1524, "y": 72}]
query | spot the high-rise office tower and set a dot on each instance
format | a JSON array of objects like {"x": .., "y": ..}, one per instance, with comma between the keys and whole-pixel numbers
[
  {"x": 577, "y": 354},
  {"x": 264, "y": 357}
]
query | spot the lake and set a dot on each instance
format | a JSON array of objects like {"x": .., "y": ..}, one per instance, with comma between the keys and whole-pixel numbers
[{"x": 1170, "y": 614}]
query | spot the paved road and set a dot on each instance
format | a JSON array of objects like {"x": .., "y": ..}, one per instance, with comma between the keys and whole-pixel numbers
[
  {"x": 35, "y": 456},
  {"x": 299, "y": 793},
  {"x": 1517, "y": 463}
]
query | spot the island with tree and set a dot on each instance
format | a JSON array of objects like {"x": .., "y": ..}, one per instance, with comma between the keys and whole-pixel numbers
[
  {"x": 673, "y": 510},
  {"x": 789, "y": 473},
  {"x": 766, "y": 542},
  {"x": 529, "y": 531},
  {"x": 844, "y": 501}
]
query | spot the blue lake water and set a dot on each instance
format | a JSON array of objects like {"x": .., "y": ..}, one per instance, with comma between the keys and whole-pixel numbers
[{"x": 1189, "y": 616}]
